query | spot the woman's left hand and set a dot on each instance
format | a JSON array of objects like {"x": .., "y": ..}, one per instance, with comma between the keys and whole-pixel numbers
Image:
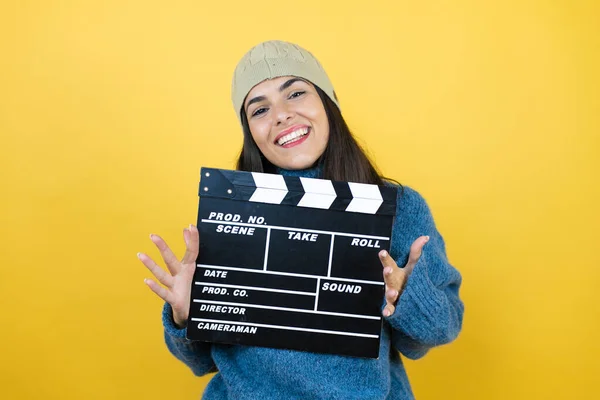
[{"x": 395, "y": 278}]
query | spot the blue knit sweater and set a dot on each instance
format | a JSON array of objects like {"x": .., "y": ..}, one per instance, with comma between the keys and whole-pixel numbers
[{"x": 429, "y": 313}]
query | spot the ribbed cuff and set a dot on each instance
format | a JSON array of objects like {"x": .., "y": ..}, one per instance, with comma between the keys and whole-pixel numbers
[
  {"x": 420, "y": 304},
  {"x": 170, "y": 328}
]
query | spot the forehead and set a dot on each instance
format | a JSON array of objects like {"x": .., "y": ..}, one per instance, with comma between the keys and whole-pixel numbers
[{"x": 270, "y": 85}]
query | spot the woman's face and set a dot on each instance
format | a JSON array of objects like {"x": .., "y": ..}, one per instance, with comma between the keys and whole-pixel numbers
[{"x": 287, "y": 121}]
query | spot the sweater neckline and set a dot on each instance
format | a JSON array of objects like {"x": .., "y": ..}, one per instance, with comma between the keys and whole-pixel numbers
[{"x": 312, "y": 172}]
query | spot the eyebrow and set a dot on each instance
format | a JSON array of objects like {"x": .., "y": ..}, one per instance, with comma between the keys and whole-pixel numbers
[{"x": 284, "y": 86}]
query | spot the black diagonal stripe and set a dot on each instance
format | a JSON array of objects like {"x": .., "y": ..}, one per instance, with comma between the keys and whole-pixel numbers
[
  {"x": 240, "y": 178},
  {"x": 388, "y": 194},
  {"x": 295, "y": 190},
  {"x": 244, "y": 193},
  {"x": 343, "y": 198},
  {"x": 293, "y": 184},
  {"x": 386, "y": 209}
]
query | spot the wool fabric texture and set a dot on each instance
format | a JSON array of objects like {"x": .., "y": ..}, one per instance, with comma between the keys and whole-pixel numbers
[
  {"x": 272, "y": 59},
  {"x": 429, "y": 313}
]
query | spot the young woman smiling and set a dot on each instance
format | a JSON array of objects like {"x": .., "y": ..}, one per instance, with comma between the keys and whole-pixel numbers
[{"x": 293, "y": 125}]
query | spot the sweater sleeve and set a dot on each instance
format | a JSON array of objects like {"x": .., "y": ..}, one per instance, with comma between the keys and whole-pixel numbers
[
  {"x": 429, "y": 312},
  {"x": 195, "y": 354}
]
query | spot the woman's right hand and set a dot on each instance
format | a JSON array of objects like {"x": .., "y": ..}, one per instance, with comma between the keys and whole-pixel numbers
[{"x": 178, "y": 281}]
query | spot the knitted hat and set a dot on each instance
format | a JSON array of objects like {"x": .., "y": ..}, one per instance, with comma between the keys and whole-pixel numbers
[{"x": 273, "y": 59}]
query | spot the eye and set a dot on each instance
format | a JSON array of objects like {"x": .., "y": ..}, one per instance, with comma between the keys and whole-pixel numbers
[
  {"x": 259, "y": 111},
  {"x": 297, "y": 94}
]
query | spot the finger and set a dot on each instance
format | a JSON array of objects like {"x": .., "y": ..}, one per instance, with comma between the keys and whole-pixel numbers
[
  {"x": 388, "y": 310},
  {"x": 156, "y": 270},
  {"x": 392, "y": 275},
  {"x": 163, "y": 293},
  {"x": 172, "y": 262},
  {"x": 391, "y": 296},
  {"x": 192, "y": 243},
  {"x": 415, "y": 252}
]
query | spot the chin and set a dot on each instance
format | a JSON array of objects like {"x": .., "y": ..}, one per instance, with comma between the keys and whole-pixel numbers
[{"x": 297, "y": 164}]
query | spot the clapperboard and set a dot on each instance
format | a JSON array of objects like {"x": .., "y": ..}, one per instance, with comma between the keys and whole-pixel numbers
[{"x": 290, "y": 262}]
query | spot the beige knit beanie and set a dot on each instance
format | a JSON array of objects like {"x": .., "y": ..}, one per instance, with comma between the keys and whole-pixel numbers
[{"x": 272, "y": 59}]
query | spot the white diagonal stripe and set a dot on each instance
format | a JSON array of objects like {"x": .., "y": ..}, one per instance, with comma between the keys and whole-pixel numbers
[
  {"x": 269, "y": 181},
  {"x": 272, "y": 196},
  {"x": 366, "y": 206},
  {"x": 319, "y": 193},
  {"x": 316, "y": 200},
  {"x": 365, "y": 191},
  {"x": 322, "y": 186},
  {"x": 270, "y": 188}
]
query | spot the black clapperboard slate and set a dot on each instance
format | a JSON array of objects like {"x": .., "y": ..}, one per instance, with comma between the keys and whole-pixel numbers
[{"x": 290, "y": 263}]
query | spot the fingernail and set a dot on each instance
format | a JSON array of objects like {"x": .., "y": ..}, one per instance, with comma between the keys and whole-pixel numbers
[
  {"x": 145, "y": 281},
  {"x": 152, "y": 236},
  {"x": 386, "y": 313},
  {"x": 190, "y": 227},
  {"x": 139, "y": 255},
  {"x": 384, "y": 253},
  {"x": 426, "y": 239}
]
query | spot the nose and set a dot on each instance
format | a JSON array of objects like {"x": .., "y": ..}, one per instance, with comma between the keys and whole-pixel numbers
[{"x": 283, "y": 114}]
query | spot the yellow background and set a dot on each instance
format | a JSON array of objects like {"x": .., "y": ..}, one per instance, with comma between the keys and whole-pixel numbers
[{"x": 109, "y": 108}]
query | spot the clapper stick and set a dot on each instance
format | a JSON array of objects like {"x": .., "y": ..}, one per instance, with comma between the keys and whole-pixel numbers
[{"x": 290, "y": 262}]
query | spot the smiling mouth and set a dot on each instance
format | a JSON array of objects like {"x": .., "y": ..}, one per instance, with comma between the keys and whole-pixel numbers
[{"x": 293, "y": 136}]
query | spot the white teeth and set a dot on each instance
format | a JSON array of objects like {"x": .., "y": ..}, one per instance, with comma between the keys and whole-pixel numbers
[{"x": 291, "y": 136}]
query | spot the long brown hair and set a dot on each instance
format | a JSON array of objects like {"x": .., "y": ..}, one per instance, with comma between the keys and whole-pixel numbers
[{"x": 342, "y": 160}]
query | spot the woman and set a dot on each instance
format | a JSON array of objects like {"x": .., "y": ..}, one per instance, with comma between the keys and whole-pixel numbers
[{"x": 292, "y": 125}]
